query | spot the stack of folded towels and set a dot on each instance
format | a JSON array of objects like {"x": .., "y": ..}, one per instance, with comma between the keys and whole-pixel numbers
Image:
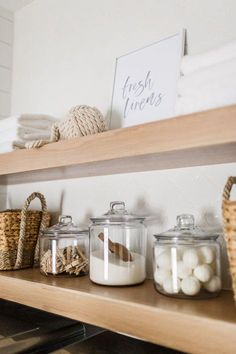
[
  {"x": 16, "y": 131},
  {"x": 207, "y": 80}
]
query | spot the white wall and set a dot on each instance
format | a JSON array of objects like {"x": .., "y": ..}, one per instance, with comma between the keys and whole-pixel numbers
[
  {"x": 6, "y": 41},
  {"x": 14, "y": 5},
  {"x": 64, "y": 54}
]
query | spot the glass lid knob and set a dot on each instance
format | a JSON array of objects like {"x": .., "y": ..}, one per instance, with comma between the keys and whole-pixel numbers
[
  {"x": 65, "y": 219},
  {"x": 185, "y": 221},
  {"x": 117, "y": 207}
]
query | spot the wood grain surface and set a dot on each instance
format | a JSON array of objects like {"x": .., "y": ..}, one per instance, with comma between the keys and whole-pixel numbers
[
  {"x": 201, "y": 138},
  {"x": 192, "y": 326}
]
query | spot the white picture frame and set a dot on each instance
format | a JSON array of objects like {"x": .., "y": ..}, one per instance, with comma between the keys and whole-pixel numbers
[{"x": 145, "y": 83}]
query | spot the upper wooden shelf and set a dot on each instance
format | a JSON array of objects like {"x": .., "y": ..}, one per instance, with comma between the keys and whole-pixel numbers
[
  {"x": 197, "y": 139},
  {"x": 192, "y": 326}
]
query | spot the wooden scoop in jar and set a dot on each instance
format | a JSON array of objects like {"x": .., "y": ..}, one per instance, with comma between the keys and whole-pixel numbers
[{"x": 117, "y": 248}]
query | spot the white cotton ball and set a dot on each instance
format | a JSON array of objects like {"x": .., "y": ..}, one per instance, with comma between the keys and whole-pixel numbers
[
  {"x": 175, "y": 254},
  {"x": 214, "y": 284},
  {"x": 180, "y": 251},
  {"x": 213, "y": 266},
  {"x": 171, "y": 285},
  {"x": 161, "y": 274},
  {"x": 203, "y": 272},
  {"x": 191, "y": 258},
  {"x": 190, "y": 286},
  {"x": 158, "y": 250},
  {"x": 207, "y": 254},
  {"x": 182, "y": 270},
  {"x": 164, "y": 260}
]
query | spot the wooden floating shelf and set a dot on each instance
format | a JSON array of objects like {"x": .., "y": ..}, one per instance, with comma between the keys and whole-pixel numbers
[
  {"x": 192, "y": 326},
  {"x": 198, "y": 139}
]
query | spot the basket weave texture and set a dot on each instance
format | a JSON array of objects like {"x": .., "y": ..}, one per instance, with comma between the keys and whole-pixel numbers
[
  {"x": 229, "y": 216},
  {"x": 19, "y": 231}
]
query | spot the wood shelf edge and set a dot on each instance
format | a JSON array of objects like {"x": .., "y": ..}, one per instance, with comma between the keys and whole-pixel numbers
[
  {"x": 136, "y": 311},
  {"x": 200, "y": 132}
]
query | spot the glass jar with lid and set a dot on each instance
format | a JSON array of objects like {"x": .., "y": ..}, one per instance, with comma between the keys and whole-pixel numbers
[
  {"x": 64, "y": 249},
  {"x": 187, "y": 261},
  {"x": 118, "y": 247}
]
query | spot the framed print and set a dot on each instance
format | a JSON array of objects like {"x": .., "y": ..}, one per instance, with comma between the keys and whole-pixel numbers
[{"x": 145, "y": 83}]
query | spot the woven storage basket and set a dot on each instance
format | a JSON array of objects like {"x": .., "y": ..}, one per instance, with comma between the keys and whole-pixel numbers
[
  {"x": 229, "y": 216},
  {"x": 19, "y": 231}
]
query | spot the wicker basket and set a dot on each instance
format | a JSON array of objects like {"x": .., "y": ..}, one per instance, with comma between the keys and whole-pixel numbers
[
  {"x": 229, "y": 216},
  {"x": 19, "y": 230}
]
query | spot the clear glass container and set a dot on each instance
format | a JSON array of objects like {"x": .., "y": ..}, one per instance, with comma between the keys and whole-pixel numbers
[
  {"x": 64, "y": 249},
  {"x": 117, "y": 247},
  {"x": 187, "y": 261}
]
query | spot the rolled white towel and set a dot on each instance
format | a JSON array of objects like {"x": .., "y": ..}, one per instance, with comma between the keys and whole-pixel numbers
[
  {"x": 37, "y": 121},
  {"x": 191, "y": 63},
  {"x": 221, "y": 76},
  {"x": 23, "y": 134}
]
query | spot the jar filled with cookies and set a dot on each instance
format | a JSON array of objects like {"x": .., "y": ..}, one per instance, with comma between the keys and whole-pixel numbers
[
  {"x": 64, "y": 249},
  {"x": 187, "y": 261}
]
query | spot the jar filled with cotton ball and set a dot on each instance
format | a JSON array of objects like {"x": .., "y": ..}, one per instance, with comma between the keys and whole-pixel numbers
[{"x": 186, "y": 261}]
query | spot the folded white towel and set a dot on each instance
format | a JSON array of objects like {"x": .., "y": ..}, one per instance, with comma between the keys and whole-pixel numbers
[
  {"x": 221, "y": 76},
  {"x": 190, "y": 63},
  {"x": 37, "y": 121},
  {"x": 207, "y": 88},
  {"x": 23, "y": 134},
  {"x": 9, "y": 146},
  {"x": 204, "y": 101}
]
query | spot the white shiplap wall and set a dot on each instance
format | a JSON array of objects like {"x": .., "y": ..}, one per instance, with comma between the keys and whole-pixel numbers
[{"x": 6, "y": 42}]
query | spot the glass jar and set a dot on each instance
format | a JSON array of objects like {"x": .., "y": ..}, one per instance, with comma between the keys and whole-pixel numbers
[
  {"x": 187, "y": 262},
  {"x": 64, "y": 249},
  {"x": 117, "y": 247}
]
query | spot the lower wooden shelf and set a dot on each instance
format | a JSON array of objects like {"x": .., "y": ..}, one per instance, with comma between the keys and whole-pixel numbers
[{"x": 192, "y": 326}]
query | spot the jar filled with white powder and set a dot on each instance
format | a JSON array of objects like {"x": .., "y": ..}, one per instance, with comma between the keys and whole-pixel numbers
[
  {"x": 186, "y": 261},
  {"x": 117, "y": 247}
]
